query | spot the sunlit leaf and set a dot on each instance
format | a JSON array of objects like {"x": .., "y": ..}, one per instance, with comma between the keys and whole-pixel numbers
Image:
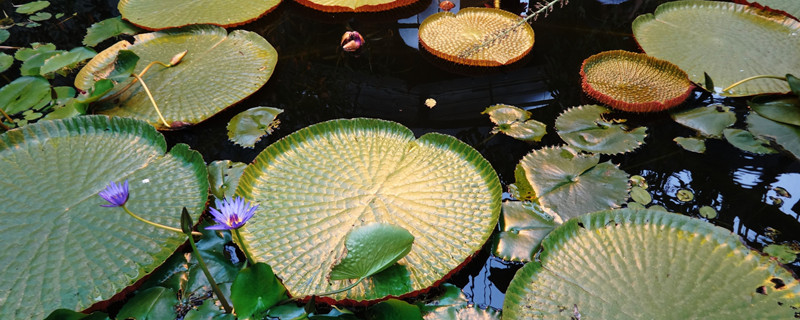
[
  {"x": 108, "y": 28},
  {"x": 791, "y": 7},
  {"x": 36, "y": 48},
  {"x": 684, "y": 195},
  {"x": 103, "y": 64},
  {"x": 255, "y": 290},
  {"x": 316, "y": 185},
  {"x": 697, "y": 145},
  {"x": 590, "y": 128},
  {"x": 157, "y": 15},
  {"x": 24, "y": 93},
  {"x": 745, "y": 141},
  {"x": 596, "y": 258},
  {"x": 151, "y": 304},
  {"x": 634, "y": 82},
  {"x": 32, "y": 7},
  {"x": 693, "y": 34},
  {"x": 522, "y": 228},
  {"x": 786, "y": 135},
  {"x": 515, "y": 122},
  {"x": 571, "y": 184},
  {"x": 249, "y": 126},
  {"x": 223, "y": 177},
  {"x": 709, "y": 120},
  {"x": 371, "y": 249},
  {"x": 67, "y": 60}
]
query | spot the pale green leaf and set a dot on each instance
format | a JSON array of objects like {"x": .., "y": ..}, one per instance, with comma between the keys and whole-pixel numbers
[
  {"x": 697, "y": 145},
  {"x": 5, "y": 61},
  {"x": 707, "y": 212},
  {"x": 745, "y": 141},
  {"x": 784, "y": 253},
  {"x": 709, "y": 120},
  {"x": 514, "y": 122},
  {"x": 587, "y": 128},
  {"x": 640, "y": 195},
  {"x": 223, "y": 177},
  {"x": 40, "y": 16},
  {"x": 522, "y": 228},
  {"x": 32, "y": 7},
  {"x": 249, "y": 126}
]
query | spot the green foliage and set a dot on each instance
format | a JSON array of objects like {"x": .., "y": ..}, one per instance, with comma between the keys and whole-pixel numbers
[
  {"x": 249, "y": 126},
  {"x": 63, "y": 62},
  {"x": 223, "y": 177},
  {"x": 707, "y": 212},
  {"x": 522, "y": 227},
  {"x": 32, "y": 7},
  {"x": 372, "y": 249},
  {"x": 453, "y": 305},
  {"x": 784, "y": 253},
  {"x": 515, "y": 123},
  {"x": 640, "y": 195},
  {"x": 786, "y": 135},
  {"x": 746, "y": 141},
  {"x": 697, "y": 145},
  {"x": 154, "y": 304},
  {"x": 394, "y": 309},
  {"x": 778, "y": 108},
  {"x": 708, "y": 121},
  {"x": 25, "y": 93},
  {"x": 255, "y": 290},
  {"x": 108, "y": 28},
  {"x": 589, "y": 128},
  {"x": 67, "y": 314},
  {"x": 5, "y": 61}
]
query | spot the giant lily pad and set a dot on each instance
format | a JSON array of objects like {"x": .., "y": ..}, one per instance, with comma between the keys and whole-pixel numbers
[
  {"x": 571, "y": 184},
  {"x": 464, "y": 37},
  {"x": 219, "y": 70},
  {"x": 634, "y": 82},
  {"x": 645, "y": 264},
  {"x": 355, "y": 5},
  {"x": 790, "y": 7},
  {"x": 61, "y": 249},
  {"x": 722, "y": 39},
  {"x": 157, "y": 15},
  {"x": 317, "y": 184},
  {"x": 589, "y": 128}
]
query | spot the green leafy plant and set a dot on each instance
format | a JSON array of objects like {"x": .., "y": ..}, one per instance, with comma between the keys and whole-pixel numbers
[{"x": 591, "y": 128}]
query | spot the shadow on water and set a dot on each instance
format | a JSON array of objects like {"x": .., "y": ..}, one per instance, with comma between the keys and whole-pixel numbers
[{"x": 315, "y": 80}]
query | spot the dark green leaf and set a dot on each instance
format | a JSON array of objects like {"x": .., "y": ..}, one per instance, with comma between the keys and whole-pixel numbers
[
  {"x": 794, "y": 83},
  {"x": 708, "y": 82},
  {"x": 208, "y": 311},
  {"x": 394, "y": 309},
  {"x": 64, "y": 61},
  {"x": 697, "y": 145},
  {"x": 108, "y": 28},
  {"x": 777, "y": 108},
  {"x": 66, "y": 314},
  {"x": 124, "y": 65},
  {"x": 247, "y": 127},
  {"x": 709, "y": 120},
  {"x": 32, "y": 65},
  {"x": 24, "y": 93},
  {"x": 100, "y": 88},
  {"x": 4, "y": 34},
  {"x": 371, "y": 249},
  {"x": 5, "y": 61},
  {"x": 32, "y": 7},
  {"x": 69, "y": 109},
  {"x": 289, "y": 311},
  {"x": 40, "y": 16},
  {"x": 151, "y": 304},
  {"x": 787, "y": 136},
  {"x": 255, "y": 290},
  {"x": 745, "y": 141},
  {"x": 186, "y": 222}
]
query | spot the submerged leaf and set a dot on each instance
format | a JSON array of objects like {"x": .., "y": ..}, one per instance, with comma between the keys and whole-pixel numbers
[
  {"x": 587, "y": 128},
  {"x": 634, "y": 82},
  {"x": 514, "y": 122},
  {"x": 572, "y": 184},
  {"x": 709, "y": 120},
  {"x": 594, "y": 259},
  {"x": 372, "y": 249},
  {"x": 249, "y": 126}
]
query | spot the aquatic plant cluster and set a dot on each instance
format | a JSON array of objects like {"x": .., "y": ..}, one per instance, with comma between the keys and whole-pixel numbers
[{"x": 360, "y": 218}]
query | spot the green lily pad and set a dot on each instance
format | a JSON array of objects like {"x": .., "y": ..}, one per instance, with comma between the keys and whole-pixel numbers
[
  {"x": 40, "y": 16},
  {"x": 24, "y": 93},
  {"x": 745, "y": 141},
  {"x": 785, "y": 110},
  {"x": 32, "y": 7},
  {"x": 709, "y": 120},
  {"x": 4, "y": 34},
  {"x": 640, "y": 195},
  {"x": 248, "y": 127},
  {"x": 515, "y": 123},
  {"x": 5, "y": 61},
  {"x": 32, "y": 65},
  {"x": 219, "y": 70},
  {"x": 684, "y": 195},
  {"x": 316, "y": 185},
  {"x": 786, "y": 135},
  {"x": 694, "y": 34},
  {"x": 90, "y": 251},
  {"x": 153, "y": 304},
  {"x": 697, "y": 145},
  {"x": 108, "y": 28},
  {"x": 791, "y": 7},
  {"x": 63, "y": 62},
  {"x": 586, "y": 128},
  {"x": 223, "y": 177},
  {"x": 157, "y": 15},
  {"x": 784, "y": 253},
  {"x": 644, "y": 264},
  {"x": 371, "y": 249},
  {"x": 523, "y": 226},
  {"x": 707, "y": 212},
  {"x": 571, "y": 184},
  {"x": 255, "y": 290}
]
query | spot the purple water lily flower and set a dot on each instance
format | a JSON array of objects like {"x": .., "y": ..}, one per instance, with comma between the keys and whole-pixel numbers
[
  {"x": 115, "y": 194},
  {"x": 231, "y": 214}
]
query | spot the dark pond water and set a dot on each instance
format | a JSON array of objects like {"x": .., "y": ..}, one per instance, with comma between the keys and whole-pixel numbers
[{"x": 315, "y": 80}]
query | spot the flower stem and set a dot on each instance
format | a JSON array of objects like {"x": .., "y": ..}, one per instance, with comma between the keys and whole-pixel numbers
[
  {"x": 153, "y": 101},
  {"x": 247, "y": 255},
  {"x": 737, "y": 83},
  {"x": 211, "y": 281},
  {"x": 156, "y": 224}
]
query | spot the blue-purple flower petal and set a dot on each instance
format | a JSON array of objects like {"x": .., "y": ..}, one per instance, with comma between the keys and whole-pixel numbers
[
  {"x": 115, "y": 194},
  {"x": 231, "y": 214}
]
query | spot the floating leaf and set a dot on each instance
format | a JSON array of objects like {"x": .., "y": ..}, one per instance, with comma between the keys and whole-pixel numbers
[
  {"x": 594, "y": 259},
  {"x": 5, "y": 61},
  {"x": 745, "y": 141},
  {"x": 707, "y": 212},
  {"x": 523, "y": 226},
  {"x": 255, "y": 290},
  {"x": 394, "y": 309},
  {"x": 32, "y": 7},
  {"x": 692, "y": 34},
  {"x": 784, "y": 110},
  {"x": 697, "y": 145},
  {"x": 784, "y": 253},
  {"x": 70, "y": 224},
  {"x": 223, "y": 177},
  {"x": 460, "y": 37},
  {"x": 40, "y": 16},
  {"x": 24, "y": 93},
  {"x": 588, "y": 128},
  {"x": 787, "y": 136},
  {"x": 637, "y": 180},
  {"x": 514, "y": 122},
  {"x": 108, "y": 28},
  {"x": 790, "y": 7},
  {"x": 104, "y": 63},
  {"x": 640, "y": 195},
  {"x": 219, "y": 70},
  {"x": 709, "y": 120},
  {"x": 154, "y": 303},
  {"x": 319, "y": 183},
  {"x": 572, "y": 184},
  {"x": 634, "y": 82},
  {"x": 355, "y": 5},
  {"x": 453, "y": 305},
  {"x": 36, "y": 48},
  {"x": 249, "y": 126},
  {"x": 4, "y": 34},
  {"x": 157, "y": 15},
  {"x": 209, "y": 311},
  {"x": 794, "y": 84},
  {"x": 64, "y": 61},
  {"x": 371, "y": 249},
  {"x": 684, "y": 195},
  {"x": 32, "y": 65}
]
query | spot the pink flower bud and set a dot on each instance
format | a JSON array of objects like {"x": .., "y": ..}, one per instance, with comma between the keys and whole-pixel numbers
[{"x": 352, "y": 41}]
